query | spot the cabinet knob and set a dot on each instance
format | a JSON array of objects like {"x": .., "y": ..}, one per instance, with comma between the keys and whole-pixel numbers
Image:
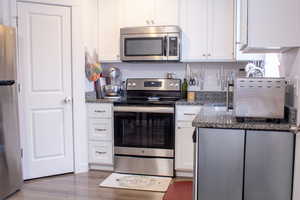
[
  {"x": 152, "y": 21},
  {"x": 99, "y": 111},
  {"x": 67, "y": 99},
  {"x": 148, "y": 22},
  {"x": 100, "y": 129},
  {"x": 100, "y": 152},
  {"x": 203, "y": 55},
  {"x": 209, "y": 54}
]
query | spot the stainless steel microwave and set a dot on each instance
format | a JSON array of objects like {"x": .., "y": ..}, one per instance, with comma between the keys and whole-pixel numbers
[{"x": 150, "y": 43}]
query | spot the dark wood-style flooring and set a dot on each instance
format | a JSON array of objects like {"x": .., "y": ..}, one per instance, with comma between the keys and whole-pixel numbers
[{"x": 78, "y": 187}]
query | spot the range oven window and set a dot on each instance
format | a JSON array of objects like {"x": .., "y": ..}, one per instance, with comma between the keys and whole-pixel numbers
[
  {"x": 144, "y": 130},
  {"x": 144, "y": 46}
]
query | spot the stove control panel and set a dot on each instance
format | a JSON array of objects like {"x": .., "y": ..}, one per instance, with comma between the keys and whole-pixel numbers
[{"x": 154, "y": 84}]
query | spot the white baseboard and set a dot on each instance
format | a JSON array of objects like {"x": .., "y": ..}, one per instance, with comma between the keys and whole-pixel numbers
[
  {"x": 101, "y": 167},
  {"x": 188, "y": 174},
  {"x": 82, "y": 168}
]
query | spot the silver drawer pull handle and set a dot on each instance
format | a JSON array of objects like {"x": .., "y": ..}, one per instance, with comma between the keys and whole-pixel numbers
[
  {"x": 192, "y": 114},
  {"x": 100, "y": 152},
  {"x": 100, "y": 129},
  {"x": 99, "y": 111},
  {"x": 179, "y": 127}
]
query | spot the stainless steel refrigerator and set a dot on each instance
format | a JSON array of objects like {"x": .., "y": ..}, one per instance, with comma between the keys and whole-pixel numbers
[{"x": 10, "y": 151}]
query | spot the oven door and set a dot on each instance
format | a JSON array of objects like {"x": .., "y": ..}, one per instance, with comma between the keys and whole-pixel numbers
[
  {"x": 144, "y": 47},
  {"x": 144, "y": 127}
]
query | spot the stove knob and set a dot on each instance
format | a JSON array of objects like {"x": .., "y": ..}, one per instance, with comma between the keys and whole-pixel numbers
[
  {"x": 176, "y": 84},
  {"x": 171, "y": 84},
  {"x": 133, "y": 84},
  {"x": 129, "y": 84}
]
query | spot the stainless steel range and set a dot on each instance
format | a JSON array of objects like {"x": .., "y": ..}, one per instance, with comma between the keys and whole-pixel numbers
[{"x": 144, "y": 130}]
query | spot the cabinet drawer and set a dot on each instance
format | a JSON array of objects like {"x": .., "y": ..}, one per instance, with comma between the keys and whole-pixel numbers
[
  {"x": 100, "y": 129},
  {"x": 187, "y": 113},
  {"x": 99, "y": 110},
  {"x": 100, "y": 153}
]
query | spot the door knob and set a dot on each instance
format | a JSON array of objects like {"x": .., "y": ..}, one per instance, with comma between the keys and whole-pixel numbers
[{"x": 67, "y": 99}]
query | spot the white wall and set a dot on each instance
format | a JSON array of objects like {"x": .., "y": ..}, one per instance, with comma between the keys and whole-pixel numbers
[
  {"x": 89, "y": 9},
  {"x": 7, "y": 12},
  {"x": 291, "y": 64}
]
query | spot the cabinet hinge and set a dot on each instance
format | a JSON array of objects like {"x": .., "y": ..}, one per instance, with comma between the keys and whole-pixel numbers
[{"x": 21, "y": 153}]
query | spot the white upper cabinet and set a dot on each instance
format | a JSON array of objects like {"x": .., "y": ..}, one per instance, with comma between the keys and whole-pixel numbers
[
  {"x": 208, "y": 30},
  {"x": 115, "y": 14},
  {"x": 109, "y": 30},
  {"x": 166, "y": 12},
  {"x": 220, "y": 29},
  {"x": 149, "y": 12},
  {"x": 137, "y": 13},
  {"x": 193, "y": 21},
  {"x": 241, "y": 23},
  {"x": 269, "y": 25}
]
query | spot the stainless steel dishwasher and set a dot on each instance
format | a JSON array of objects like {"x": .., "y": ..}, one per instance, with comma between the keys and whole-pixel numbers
[
  {"x": 243, "y": 165},
  {"x": 219, "y": 164},
  {"x": 269, "y": 159}
]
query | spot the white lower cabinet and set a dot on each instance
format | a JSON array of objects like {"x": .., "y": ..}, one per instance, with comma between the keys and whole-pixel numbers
[
  {"x": 100, "y": 134},
  {"x": 100, "y": 153},
  {"x": 100, "y": 129},
  {"x": 184, "y": 147}
]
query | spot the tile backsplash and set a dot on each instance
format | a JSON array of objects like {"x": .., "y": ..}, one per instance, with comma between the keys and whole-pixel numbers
[
  {"x": 213, "y": 76},
  {"x": 212, "y": 79}
]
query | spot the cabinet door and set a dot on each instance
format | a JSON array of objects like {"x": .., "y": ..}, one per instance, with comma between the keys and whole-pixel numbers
[
  {"x": 166, "y": 12},
  {"x": 241, "y": 34},
  {"x": 243, "y": 21},
  {"x": 109, "y": 30},
  {"x": 184, "y": 147},
  {"x": 187, "y": 113},
  {"x": 220, "y": 164},
  {"x": 193, "y": 21},
  {"x": 268, "y": 165},
  {"x": 220, "y": 29},
  {"x": 136, "y": 12}
]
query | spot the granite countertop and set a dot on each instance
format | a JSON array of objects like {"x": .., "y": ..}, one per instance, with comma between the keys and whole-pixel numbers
[
  {"x": 213, "y": 117},
  {"x": 94, "y": 100},
  {"x": 184, "y": 102}
]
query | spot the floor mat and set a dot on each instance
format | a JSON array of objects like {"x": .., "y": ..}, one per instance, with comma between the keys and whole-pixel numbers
[
  {"x": 137, "y": 182},
  {"x": 181, "y": 190}
]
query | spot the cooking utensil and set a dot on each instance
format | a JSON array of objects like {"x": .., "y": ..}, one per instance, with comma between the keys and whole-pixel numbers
[
  {"x": 171, "y": 75},
  {"x": 112, "y": 90}
]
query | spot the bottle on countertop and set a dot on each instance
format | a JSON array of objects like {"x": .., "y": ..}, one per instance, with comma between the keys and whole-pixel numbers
[{"x": 184, "y": 89}]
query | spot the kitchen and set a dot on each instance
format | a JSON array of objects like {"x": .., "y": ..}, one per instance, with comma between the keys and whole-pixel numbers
[{"x": 96, "y": 135}]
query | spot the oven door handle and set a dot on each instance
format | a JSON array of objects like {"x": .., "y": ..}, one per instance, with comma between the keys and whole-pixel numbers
[{"x": 143, "y": 109}]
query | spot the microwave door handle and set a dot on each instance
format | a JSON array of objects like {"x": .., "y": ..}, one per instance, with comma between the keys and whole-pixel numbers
[{"x": 165, "y": 46}]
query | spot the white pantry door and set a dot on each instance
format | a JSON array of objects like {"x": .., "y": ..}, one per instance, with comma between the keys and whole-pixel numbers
[{"x": 44, "y": 36}]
